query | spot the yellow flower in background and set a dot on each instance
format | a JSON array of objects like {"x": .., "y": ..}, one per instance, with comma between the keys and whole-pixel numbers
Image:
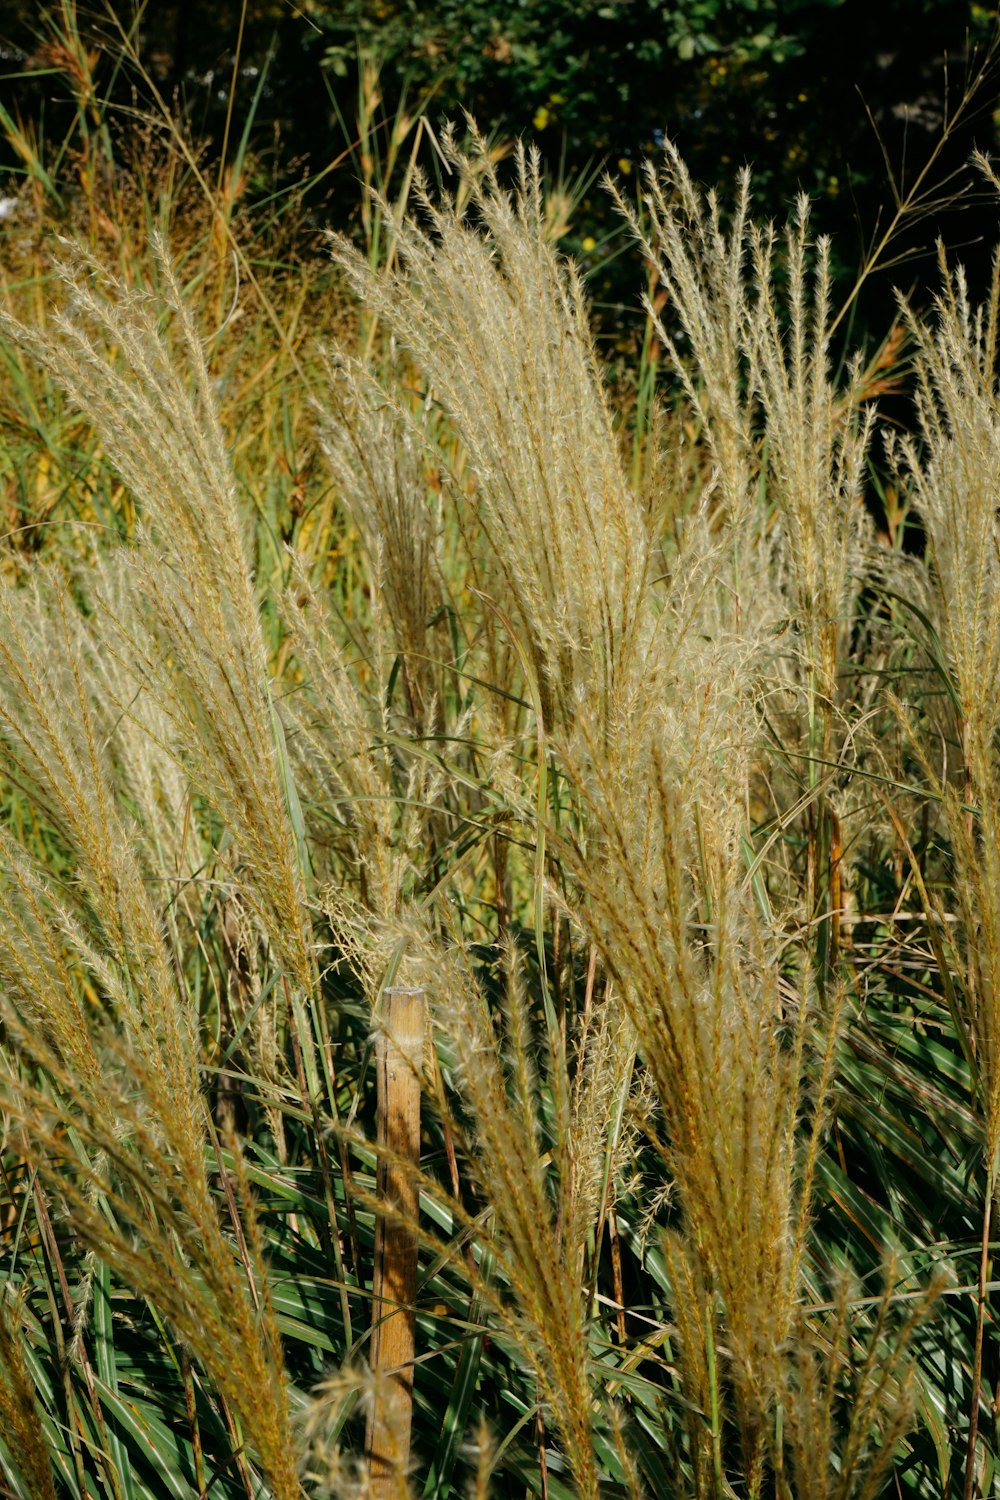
[
  {"x": 587, "y": 244},
  {"x": 624, "y": 165},
  {"x": 545, "y": 113}
]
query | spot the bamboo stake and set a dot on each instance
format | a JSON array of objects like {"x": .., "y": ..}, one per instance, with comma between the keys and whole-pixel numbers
[{"x": 399, "y": 1055}]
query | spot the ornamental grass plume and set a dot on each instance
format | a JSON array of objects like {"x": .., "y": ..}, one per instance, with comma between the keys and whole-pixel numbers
[
  {"x": 817, "y": 446},
  {"x": 134, "y": 728},
  {"x": 109, "y": 1105},
  {"x": 703, "y": 271},
  {"x": 953, "y": 472},
  {"x": 149, "y": 398},
  {"x": 788, "y": 445},
  {"x": 526, "y": 661},
  {"x": 852, "y": 1396},
  {"x": 109, "y": 1102},
  {"x": 381, "y": 456},
  {"x": 50, "y": 742},
  {"x": 724, "y": 1045},
  {"x": 647, "y": 701},
  {"x": 755, "y": 369},
  {"x": 153, "y": 1220},
  {"x": 497, "y": 324},
  {"x": 542, "y": 1172}
]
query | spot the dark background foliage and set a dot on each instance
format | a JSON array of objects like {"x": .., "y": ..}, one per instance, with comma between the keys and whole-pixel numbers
[{"x": 824, "y": 96}]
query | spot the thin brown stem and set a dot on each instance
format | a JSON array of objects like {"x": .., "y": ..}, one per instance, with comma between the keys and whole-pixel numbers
[
  {"x": 977, "y": 1362},
  {"x": 910, "y": 204}
]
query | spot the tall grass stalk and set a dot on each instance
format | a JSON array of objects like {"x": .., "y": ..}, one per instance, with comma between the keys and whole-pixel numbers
[{"x": 952, "y": 472}]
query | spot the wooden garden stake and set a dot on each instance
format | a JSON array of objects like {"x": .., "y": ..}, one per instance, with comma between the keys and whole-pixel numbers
[{"x": 399, "y": 1052}]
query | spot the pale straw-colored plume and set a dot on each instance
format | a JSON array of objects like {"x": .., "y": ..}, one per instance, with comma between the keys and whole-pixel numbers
[
  {"x": 381, "y": 456},
  {"x": 519, "y": 762},
  {"x": 497, "y": 324},
  {"x": 953, "y": 472},
  {"x": 543, "y": 1179},
  {"x": 788, "y": 445},
  {"x": 646, "y": 694},
  {"x": 149, "y": 397},
  {"x": 110, "y": 1107}
]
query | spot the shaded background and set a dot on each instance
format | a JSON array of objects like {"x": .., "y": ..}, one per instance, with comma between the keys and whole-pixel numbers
[{"x": 817, "y": 95}]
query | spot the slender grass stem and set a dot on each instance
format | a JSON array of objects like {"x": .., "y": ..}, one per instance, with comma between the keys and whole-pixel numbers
[{"x": 977, "y": 1354}]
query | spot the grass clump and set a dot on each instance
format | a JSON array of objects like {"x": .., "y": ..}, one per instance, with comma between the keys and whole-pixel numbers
[{"x": 578, "y": 747}]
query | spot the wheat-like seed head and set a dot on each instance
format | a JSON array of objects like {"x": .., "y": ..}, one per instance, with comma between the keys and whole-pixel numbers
[
  {"x": 380, "y": 452},
  {"x": 953, "y": 473},
  {"x": 150, "y": 399},
  {"x": 498, "y": 326}
]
